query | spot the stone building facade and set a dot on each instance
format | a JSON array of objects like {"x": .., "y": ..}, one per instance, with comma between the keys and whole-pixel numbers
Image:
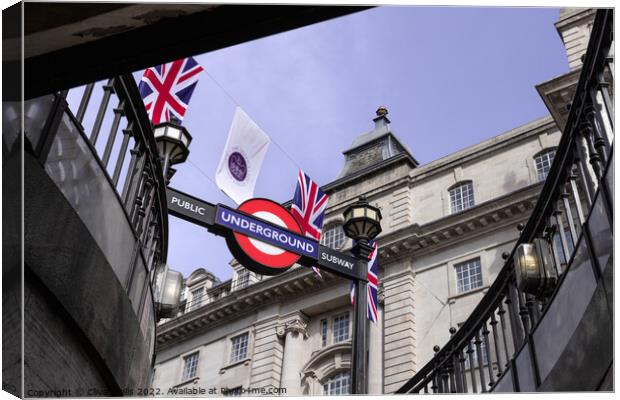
[{"x": 445, "y": 226}]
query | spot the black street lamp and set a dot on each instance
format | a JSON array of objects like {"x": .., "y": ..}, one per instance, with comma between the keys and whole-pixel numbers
[
  {"x": 362, "y": 223},
  {"x": 173, "y": 142}
]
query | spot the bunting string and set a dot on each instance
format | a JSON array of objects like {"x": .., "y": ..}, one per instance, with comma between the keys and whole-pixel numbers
[{"x": 203, "y": 173}]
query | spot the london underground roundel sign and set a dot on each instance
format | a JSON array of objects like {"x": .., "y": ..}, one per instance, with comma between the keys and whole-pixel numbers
[{"x": 268, "y": 255}]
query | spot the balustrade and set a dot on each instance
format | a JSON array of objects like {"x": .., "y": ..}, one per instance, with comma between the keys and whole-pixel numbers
[
  {"x": 476, "y": 359},
  {"x": 108, "y": 178}
]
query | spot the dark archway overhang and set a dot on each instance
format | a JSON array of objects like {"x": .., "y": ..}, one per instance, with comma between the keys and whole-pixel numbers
[{"x": 126, "y": 38}]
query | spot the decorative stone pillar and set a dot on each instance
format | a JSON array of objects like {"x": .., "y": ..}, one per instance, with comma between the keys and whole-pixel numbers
[
  {"x": 399, "y": 327},
  {"x": 267, "y": 355},
  {"x": 375, "y": 350},
  {"x": 294, "y": 332},
  {"x": 311, "y": 382}
]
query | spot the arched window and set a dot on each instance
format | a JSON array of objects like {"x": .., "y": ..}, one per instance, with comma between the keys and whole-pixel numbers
[
  {"x": 461, "y": 197},
  {"x": 543, "y": 161},
  {"x": 338, "y": 384},
  {"x": 333, "y": 237}
]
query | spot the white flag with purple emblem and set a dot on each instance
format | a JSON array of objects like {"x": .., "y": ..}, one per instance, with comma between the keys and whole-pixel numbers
[{"x": 242, "y": 158}]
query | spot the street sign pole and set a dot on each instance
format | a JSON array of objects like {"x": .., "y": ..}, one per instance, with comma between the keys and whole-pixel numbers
[
  {"x": 359, "y": 361},
  {"x": 359, "y": 357}
]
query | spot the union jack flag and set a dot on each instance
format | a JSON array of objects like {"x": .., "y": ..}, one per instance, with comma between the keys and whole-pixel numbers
[
  {"x": 373, "y": 280},
  {"x": 166, "y": 89},
  {"x": 308, "y": 208}
]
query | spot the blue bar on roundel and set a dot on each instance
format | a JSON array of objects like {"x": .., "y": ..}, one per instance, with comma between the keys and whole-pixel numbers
[{"x": 267, "y": 233}]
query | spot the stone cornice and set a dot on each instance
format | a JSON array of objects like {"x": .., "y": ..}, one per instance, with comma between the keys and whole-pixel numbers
[
  {"x": 557, "y": 93},
  {"x": 483, "y": 148},
  {"x": 416, "y": 239},
  {"x": 290, "y": 284}
]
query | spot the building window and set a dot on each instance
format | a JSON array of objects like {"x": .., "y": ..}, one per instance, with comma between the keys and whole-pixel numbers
[
  {"x": 341, "y": 328},
  {"x": 333, "y": 237},
  {"x": 461, "y": 197},
  {"x": 196, "y": 300},
  {"x": 338, "y": 384},
  {"x": 468, "y": 275},
  {"x": 191, "y": 366},
  {"x": 543, "y": 163},
  {"x": 243, "y": 279},
  {"x": 323, "y": 332},
  {"x": 184, "y": 302},
  {"x": 239, "y": 349}
]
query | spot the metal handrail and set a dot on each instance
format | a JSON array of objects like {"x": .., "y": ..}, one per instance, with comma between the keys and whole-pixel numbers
[
  {"x": 142, "y": 195},
  {"x": 145, "y": 169},
  {"x": 440, "y": 370},
  {"x": 145, "y": 129}
]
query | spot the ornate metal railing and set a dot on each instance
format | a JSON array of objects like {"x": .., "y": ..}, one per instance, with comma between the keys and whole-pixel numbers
[
  {"x": 141, "y": 189},
  {"x": 484, "y": 349},
  {"x": 105, "y": 161}
]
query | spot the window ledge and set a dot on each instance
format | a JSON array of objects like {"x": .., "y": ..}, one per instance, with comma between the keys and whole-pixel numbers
[
  {"x": 453, "y": 298},
  {"x": 245, "y": 361},
  {"x": 193, "y": 380}
]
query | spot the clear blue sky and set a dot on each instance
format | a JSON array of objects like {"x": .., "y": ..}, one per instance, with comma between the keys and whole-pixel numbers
[{"x": 450, "y": 77}]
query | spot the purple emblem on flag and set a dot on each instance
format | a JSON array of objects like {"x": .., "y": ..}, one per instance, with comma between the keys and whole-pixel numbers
[{"x": 237, "y": 166}]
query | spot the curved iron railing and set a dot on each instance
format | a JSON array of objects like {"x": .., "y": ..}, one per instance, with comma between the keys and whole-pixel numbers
[
  {"x": 483, "y": 350},
  {"x": 105, "y": 160},
  {"x": 141, "y": 189}
]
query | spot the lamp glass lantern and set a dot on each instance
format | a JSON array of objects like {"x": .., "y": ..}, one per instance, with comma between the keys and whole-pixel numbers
[
  {"x": 362, "y": 221},
  {"x": 173, "y": 142},
  {"x": 168, "y": 285},
  {"x": 534, "y": 267}
]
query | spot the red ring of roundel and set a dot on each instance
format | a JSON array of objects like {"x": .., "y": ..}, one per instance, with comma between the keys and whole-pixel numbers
[{"x": 284, "y": 260}]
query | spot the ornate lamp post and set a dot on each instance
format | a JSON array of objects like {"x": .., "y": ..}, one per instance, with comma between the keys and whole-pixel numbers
[
  {"x": 362, "y": 223},
  {"x": 173, "y": 142}
]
